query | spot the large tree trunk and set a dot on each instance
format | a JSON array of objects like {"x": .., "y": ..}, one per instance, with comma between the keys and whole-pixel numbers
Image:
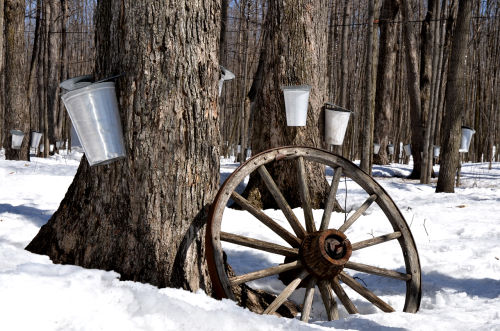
[
  {"x": 385, "y": 79},
  {"x": 413, "y": 82},
  {"x": 144, "y": 216},
  {"x": 17, "y": 116},
  {"x": 455, "y": 100},
  {"x": 296, "y": 41}
]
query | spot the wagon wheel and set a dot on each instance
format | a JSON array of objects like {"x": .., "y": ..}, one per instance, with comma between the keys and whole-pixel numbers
[{"x": 315, "y": 256}]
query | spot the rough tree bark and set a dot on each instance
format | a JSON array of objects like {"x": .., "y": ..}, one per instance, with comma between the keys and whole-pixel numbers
[
  {"x": 53, "y": 8},
  {"x": 385, "y": 78},
  {"x": 366, "y": 149},
  {"x": 2, "y": 73},
  {"x": 17, "y": 116},
  {"x": 34, "y": 58},
  {"x": 426, "y": 74},
  {"x": 344, "y": 61},
  {"x": 454, "y": 99},
  {"x": 296, "y": 41},
  {"x": 413, "y": 82},
  {"x": 144, "y": 216}
]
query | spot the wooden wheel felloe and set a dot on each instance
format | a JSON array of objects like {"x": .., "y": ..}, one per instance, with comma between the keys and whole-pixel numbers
[{"x": 315, "y": 254}]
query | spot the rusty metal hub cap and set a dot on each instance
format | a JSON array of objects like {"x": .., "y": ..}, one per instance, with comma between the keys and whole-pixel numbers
[{"x": 325, "y": 253}]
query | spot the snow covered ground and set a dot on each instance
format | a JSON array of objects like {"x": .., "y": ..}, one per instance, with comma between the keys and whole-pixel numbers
[{"x": 457, "y": 235}]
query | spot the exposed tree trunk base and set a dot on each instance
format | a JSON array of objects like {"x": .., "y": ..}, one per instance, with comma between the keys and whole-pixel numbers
[
  {"x": 415, "y": 174},
  {"x": 258, "y": 300}
]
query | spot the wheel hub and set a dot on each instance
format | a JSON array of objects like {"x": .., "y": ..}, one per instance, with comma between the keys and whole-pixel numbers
[{"x": 325, "y": 253}]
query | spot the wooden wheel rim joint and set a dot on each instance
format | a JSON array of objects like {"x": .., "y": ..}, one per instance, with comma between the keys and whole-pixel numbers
[{"x": 324, "y": 253}]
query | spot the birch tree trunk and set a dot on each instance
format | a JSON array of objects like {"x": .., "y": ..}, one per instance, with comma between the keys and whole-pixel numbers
[
  {"x": 455, "y": 102},
  {"x": 144, "y": 216}
]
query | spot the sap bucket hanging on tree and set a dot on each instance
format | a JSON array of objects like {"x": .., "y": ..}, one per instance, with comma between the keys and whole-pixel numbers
[
  {"x": 336, "y": 120},
  {"x": 296, "y": 103},
  {"x": 390, "y": 149},
  {"x": 35, "y": 139},
  {"x": 466, "y": 138},
  {"x": 17, "y": 139},
  {"x": 93, "y": 110},
  {"x": 76, "y": 82},
  {"x": 225, "y": 75},
  {"x": 435, "y": 151},
  {"x": 407, "y": 149},
  {"x": 376, "y": 148}
]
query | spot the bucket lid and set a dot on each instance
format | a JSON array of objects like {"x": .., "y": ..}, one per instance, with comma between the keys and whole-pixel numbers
[
  {"x": 305, "y": 88},
  {"x": 468, "y": 128},
  {"x": 226, "y": 74},
  {"x": 17, "y": 132},
  {"x": 76, "y": 82},
  {"x": 87, "y": 89},
  {"x": 332, "y": 106}
]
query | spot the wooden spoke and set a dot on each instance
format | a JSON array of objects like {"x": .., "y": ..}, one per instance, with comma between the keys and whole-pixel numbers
[
  {"x": 339, "y": 291},
  {"x": 258, "y": 244},
  {"x": 308, "y": 300},
  {"x": 304, "y": 195},
  {"x": 358, "y": 213},
  {"x": 266, "y": 220},
  {"x": 366, "y": 293},
  {"x": 377, "y": 271},
  {"x": 237, "y": 280},
  {"x": 328, "y": 300},
  {"x": 286, "y": 293},
  {"x": 376, "y": 240},
  {"x": 330, "y": 203},
  {"x": 280, "y": 200}
]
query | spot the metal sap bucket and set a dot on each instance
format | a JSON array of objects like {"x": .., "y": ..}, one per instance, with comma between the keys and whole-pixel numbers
[
  {"x": 466, "y": 138},
  {"x": 17, "y": 139},
  {"x": 390, "y": 149},
  {"x": 94, "y": 113},
  {"x": 336, "y": 120},
  {"x": 296, "y": 104},
  {"x": 435, "y": 151},
  {"x": 407, "y": 149},
  {"x": 35, "y": 139},
  {"x": 225, "y": 75},
  {"x": 376, "y": 148},
  {"x": 59, "y": 144},
  {"x": 42, "y": 148}
]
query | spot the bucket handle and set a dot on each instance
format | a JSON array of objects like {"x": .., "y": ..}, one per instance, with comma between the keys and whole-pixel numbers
[{"x": 109, "y": 78}]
